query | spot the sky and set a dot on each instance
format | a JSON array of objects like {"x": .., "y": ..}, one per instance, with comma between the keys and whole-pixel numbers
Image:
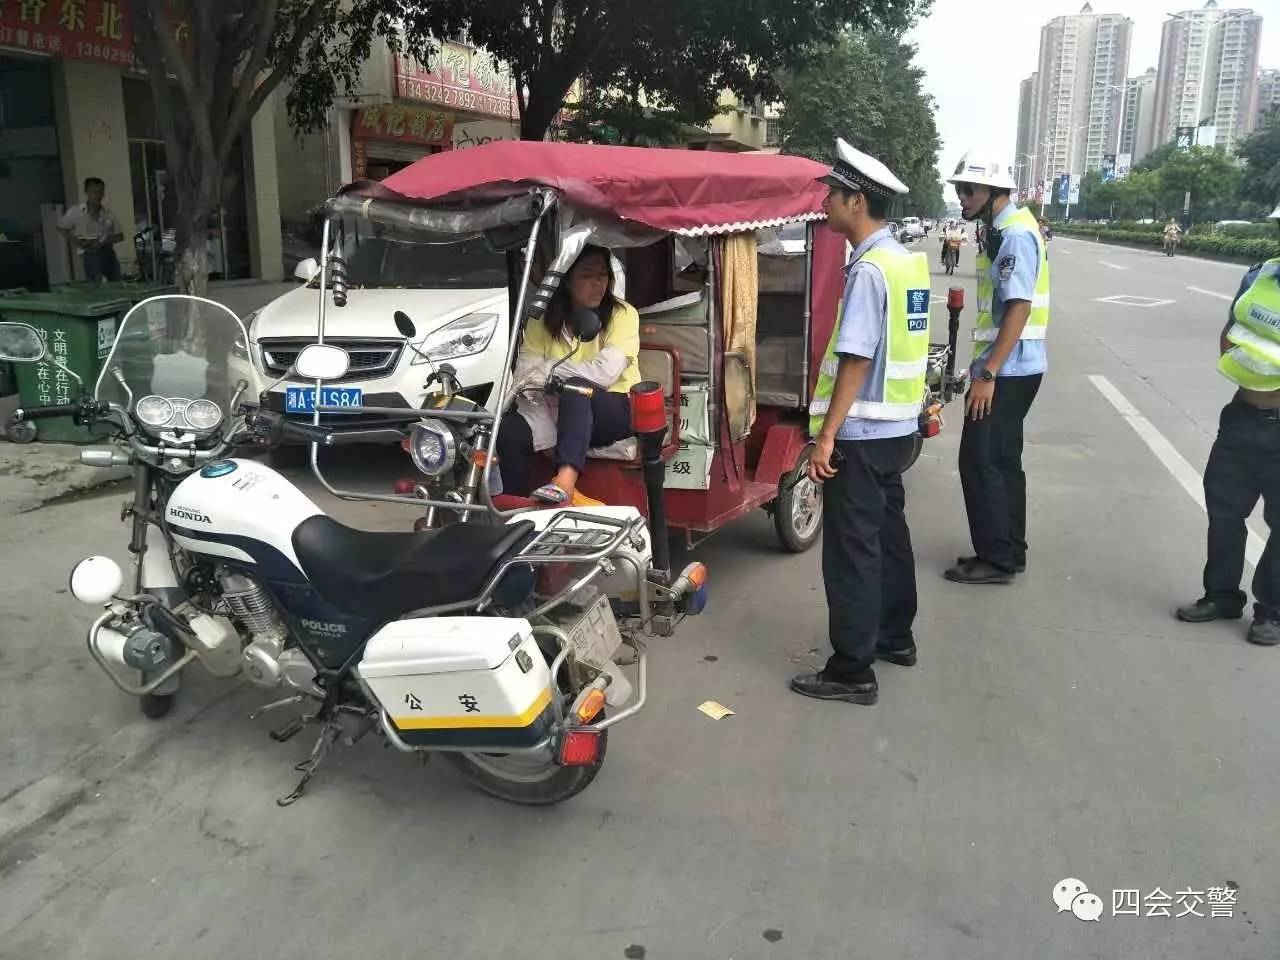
[{"x": 976, "y": 53}]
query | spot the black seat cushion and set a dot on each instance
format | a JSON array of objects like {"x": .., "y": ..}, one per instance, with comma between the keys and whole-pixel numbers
[{"x": 380, "y": 576}]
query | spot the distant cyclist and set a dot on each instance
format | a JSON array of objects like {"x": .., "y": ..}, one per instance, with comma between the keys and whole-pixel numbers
[{"x": 1172, "y": 236}]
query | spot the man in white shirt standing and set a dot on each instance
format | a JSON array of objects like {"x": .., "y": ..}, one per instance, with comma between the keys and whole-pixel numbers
[{"x": 93, "y": 229}]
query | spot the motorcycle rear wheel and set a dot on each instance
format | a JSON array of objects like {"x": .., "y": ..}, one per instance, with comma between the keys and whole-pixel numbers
[{"x": 525, "y": 780}]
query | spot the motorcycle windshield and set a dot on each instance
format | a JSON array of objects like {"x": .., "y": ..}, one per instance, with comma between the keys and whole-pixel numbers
[{"x": 179, "y": 348}]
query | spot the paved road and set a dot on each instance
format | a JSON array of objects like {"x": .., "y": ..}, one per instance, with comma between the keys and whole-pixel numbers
[{"x": 1066, "y": 726}]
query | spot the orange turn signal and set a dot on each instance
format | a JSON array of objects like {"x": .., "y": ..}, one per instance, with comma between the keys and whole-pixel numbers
[
  {"x": 591, "y": 705},
  {"x": 480, "y": 457}
]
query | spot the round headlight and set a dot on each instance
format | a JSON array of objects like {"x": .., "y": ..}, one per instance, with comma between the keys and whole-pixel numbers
[
  {"x": 203, "y": 414},
  {"x": 154, "y": 411},
  {"x": 433, "y": 447}
]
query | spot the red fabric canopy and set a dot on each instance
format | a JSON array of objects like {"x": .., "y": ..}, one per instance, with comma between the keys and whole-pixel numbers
[{"x": 686, "y": 191}]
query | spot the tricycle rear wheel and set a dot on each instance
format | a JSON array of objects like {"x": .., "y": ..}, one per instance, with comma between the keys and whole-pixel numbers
[{"x": 797, "y": 514}]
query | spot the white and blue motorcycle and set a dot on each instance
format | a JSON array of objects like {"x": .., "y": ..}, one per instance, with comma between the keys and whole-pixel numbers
[{"x": 495, "y": 643}]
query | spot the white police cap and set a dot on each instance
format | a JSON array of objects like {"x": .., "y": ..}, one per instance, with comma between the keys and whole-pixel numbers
[{"x": 855, "y": 170}]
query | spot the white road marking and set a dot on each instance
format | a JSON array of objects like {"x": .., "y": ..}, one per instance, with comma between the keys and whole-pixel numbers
[
  {"x": 1129, "y": 300},
  {"x": 1113, "y": 266},
  {"x": 1173, "y": 461},
  {"x": 1210, "y": 293}
]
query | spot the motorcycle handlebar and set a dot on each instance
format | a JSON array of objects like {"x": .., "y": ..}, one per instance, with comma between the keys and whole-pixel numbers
[
  {"x": 43, "y": 413},
  {"x": 306, "y": 431}
]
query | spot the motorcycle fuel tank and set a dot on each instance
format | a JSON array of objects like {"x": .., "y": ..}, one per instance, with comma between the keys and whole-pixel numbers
[{"x": 241, "y": 510}]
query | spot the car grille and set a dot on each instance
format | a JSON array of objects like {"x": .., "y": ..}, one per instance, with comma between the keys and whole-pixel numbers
[{"x": 370, "y": 358}]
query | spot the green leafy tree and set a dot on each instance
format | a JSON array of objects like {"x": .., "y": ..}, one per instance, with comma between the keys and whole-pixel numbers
[
  {"x": 1261, "y": 155},
  {"x": 1208, "y": 174},
  {"x": 211, "y": 65},
  {"x": 864, "y": 87},
  {"x": 681, "y": 53}
]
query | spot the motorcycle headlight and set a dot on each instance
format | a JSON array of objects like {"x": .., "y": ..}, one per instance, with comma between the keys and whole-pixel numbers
[
  {"x": 462, "y": 338},
  {"x": 433, "y": 447},
  {"x": 154, "y": 411}
]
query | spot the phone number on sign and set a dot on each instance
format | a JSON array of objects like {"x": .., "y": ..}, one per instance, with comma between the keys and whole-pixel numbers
[{"x": 430, "y": 91}]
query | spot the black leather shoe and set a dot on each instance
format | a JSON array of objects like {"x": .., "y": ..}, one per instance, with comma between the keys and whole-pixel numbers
[
  {"x": 900, "y": 652},
  {"x": 978, "y": 571},
  {"x": 1204, "y": 610},
  {"x": 1019, "y": 567},
  {"x": 1265, "y": 633},
  {"x": 861, "y": 688}
]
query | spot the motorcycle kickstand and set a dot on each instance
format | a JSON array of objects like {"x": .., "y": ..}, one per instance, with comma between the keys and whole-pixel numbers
[
  {"x": 328, "y": 736},
  {"x": 276, "y": 705}
]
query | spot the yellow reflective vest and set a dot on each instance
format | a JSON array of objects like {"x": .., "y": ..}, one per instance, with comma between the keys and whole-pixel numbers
[
  {"x": 984, "y": 328},
  {"x": 1253, "y": 361}
]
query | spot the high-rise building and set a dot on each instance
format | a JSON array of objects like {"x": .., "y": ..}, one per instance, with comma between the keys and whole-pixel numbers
[
  {"x": 1024, "y": 162},
  {"x": 1268, "y": 95},
  {"x": 1208, "y": 73},
  {"x": 1137, "y": 130},
  {"x": 1079, "y": 96}
]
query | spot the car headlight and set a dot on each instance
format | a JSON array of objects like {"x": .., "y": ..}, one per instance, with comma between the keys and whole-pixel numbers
[
  {"x": 154, "y": 411},
  {"x": 433, "y": 447},
  {"x": 463, "y": 337}
]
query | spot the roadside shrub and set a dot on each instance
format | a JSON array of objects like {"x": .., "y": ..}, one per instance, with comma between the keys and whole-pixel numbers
[{"x": 1199, "y": 240}]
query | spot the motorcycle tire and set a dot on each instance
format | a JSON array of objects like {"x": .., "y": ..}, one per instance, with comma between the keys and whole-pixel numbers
[
  {"x": 540, "y": 786},
  {"x": 156, "y": 705},
  {"x": 917, "y": 445},
  {"x": 798, "y": 522},
  {"x": 20, "y": 432}
]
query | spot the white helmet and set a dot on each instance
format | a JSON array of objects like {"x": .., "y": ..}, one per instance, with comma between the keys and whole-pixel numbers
[
  {"x": 984, "y": 167},
  {"x": 1275, "y": 214}
]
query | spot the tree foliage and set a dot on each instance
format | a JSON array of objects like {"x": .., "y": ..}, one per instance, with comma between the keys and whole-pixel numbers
[
  {"x": 211, "y": 64},
  {"x": 1261, "y": 155},
  {"x": 681, "y": 53},
  {"x": 864, "y": 87}
]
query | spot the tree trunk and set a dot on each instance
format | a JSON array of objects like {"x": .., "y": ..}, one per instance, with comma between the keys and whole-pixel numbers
[{"x": 197, "y": 198}]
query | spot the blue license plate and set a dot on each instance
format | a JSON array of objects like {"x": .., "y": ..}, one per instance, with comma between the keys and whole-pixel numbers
[{"x": 303, "y": 399}]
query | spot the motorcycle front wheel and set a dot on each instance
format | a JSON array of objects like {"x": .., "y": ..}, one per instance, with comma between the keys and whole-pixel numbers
[{"x": 527, "y": 780}]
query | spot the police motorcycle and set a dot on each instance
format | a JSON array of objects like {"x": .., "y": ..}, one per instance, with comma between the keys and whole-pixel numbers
[{"x": 499, "y": 645}]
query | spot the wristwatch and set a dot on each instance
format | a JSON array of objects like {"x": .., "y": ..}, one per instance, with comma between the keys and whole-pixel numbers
[{"x": 985, "y": 375}]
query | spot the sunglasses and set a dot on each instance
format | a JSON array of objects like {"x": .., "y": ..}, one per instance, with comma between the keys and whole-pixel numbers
[{"x": 966, "y": 189}]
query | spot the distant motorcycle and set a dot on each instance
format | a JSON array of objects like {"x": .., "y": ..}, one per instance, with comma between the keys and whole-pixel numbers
[
  {"x": 951, "y": 255},
  {"x": 1170, "y": 244}
]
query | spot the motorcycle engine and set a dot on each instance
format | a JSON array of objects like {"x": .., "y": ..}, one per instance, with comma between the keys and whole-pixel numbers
[{"x": 264, "y": 659}]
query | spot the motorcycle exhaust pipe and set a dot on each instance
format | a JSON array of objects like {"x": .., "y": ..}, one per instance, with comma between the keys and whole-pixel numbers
[{"x": 649, "y": 423}]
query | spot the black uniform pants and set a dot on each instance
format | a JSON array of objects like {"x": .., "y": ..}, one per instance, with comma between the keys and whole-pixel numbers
[
  {"x": 867, "y": 566},
  {"x": 995, "y": 487},
  {"x": 1244, "y": 464}
]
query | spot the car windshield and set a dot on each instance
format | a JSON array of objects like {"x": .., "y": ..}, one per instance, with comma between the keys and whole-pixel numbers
[
  {"x": 178, "y": 348},
  {"x": 381, "y": 261}
]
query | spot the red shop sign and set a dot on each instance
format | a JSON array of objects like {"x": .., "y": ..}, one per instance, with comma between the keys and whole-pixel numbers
[
  {"x": 99, "y": 30},
  {"x": 408, "y": 124},
  {"x": 460, "y": 78}
]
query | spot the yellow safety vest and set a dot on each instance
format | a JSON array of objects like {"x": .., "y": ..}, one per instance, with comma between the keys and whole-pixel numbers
[
  {"x": 1254, "y": 360},
  {"x": 984, "y": 329},
  {"x": 899, "y": 393}
]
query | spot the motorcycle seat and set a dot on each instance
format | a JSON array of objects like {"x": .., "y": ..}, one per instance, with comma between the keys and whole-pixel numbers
[{"x": 380, "y": 576}]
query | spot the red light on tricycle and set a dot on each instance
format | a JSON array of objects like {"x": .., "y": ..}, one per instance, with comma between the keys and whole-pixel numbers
[
  {"x": 404, "y": 488},
  {"x": 648, "y": 408},
  {"x": 580, "y": 748},
  {"x": 955, "y": 298},
  {"x": 931, "y": 428}
]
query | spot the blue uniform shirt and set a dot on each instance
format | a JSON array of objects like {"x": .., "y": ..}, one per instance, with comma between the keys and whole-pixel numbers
[
  {"x": 1023, "y": 246},
  {"x": 862, "y": 335},
  {"x": 1250, "y": 275}
]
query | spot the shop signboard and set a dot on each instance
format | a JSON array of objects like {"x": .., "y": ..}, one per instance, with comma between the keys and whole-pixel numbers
[
  {"x": 405, "y": 124},
  {"x": 458, "y": 77},
  {"x": 98, "y": 30}
]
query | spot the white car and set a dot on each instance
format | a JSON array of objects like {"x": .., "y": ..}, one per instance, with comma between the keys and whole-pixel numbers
[
  {"x": 912, "y": 229},
  {"x": 455, "y": 295}
]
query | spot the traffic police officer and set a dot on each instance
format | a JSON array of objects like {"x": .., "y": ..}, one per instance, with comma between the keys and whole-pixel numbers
[
  {"x": 1009, "y": 338},
  {"x": 865, "y": 409},
  {"x": 1245, "y": 460}
]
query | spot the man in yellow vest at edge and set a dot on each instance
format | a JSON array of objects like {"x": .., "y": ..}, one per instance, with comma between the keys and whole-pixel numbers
[
  {"x": 1244, "y": 463},
  {"x": 865, "y": 408},
  {"x": 1010, "y": 360}
]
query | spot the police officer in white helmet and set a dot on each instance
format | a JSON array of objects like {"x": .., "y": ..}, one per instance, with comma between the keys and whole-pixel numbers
[
  {"x": 864, "y": 411},
  {"x": 1009, "y": 362}
]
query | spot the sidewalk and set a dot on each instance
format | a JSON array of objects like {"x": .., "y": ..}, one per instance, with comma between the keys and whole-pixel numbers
[{"x": 33, "y": 474}]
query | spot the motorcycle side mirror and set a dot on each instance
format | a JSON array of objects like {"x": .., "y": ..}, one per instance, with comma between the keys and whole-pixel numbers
[
  {"x": 405, "y": 325},
  {"x": 322, "y": 361},
  {"x": 306, "y": 270},
  {"x": 20, "y": 343},
  {"x": 586, "y": 324}
]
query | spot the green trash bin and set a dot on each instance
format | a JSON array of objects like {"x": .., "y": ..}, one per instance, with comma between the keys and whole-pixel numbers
[{"x": 79, "y": 329}]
